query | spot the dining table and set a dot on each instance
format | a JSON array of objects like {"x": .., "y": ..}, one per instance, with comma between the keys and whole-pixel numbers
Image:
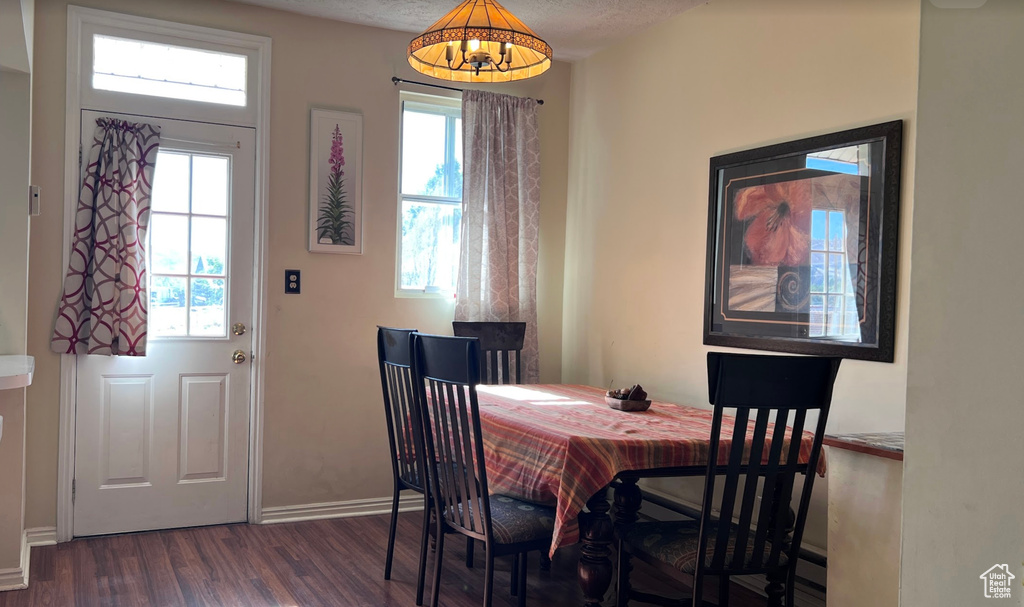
[{"x": 563, "y": 445}]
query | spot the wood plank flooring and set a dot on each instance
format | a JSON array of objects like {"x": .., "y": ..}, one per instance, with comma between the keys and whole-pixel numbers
[{"x": 336, "y": 562}]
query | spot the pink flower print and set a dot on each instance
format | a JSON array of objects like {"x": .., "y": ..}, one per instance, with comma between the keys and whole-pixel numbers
[{"x": 337, "y": 159}]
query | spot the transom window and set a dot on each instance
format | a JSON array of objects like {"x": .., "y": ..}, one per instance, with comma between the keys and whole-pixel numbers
[
  {"x": 430, "y": 194},
  {"x": 188, "y": 245},
  {"x": 161, "y": 70}
]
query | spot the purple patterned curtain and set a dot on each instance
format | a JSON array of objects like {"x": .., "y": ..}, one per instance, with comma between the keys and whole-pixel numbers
[
  {"x": 500, "y": 216},
  {"x": 104, "y": 306}
]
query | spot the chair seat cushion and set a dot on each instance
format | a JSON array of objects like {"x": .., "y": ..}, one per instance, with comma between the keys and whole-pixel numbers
[
  {"x": 515, "y": 521},
  {"x": 676, "y": 545}
]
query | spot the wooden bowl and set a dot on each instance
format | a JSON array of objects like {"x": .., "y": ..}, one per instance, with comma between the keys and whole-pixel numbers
[{"x": 627, "y": 405}]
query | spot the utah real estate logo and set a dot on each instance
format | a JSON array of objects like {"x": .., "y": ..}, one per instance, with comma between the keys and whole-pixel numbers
[{"x": 998, "y": 581}]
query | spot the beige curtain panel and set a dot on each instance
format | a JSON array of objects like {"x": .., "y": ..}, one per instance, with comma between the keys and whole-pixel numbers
[{"x": 501, "y": 216}]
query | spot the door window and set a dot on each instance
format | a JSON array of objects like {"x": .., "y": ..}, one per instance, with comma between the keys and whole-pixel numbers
[{"x": 188, "y": 246}]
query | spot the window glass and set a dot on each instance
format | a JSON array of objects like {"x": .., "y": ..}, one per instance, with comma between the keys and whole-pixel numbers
[
  {"x": 210, "y": 185},
  {"x": 431, "y": 196},
  {"x": 833, "y": 311},
  {"x": 160, "y": 70},
  {"x": 188, "y": 246},
  {"x": 423, "y": 153}
]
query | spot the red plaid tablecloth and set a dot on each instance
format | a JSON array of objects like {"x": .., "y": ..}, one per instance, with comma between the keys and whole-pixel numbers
[{"x": 560, "y": 444}]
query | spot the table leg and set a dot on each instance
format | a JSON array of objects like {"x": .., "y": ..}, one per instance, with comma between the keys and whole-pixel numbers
[
  {"x": 776, "y": 588},
  {"x": 595, "y": 568},
  {"x": 628, "y": 500}
]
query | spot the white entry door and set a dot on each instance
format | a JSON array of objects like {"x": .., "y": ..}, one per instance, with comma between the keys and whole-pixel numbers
[{"x": 161, "y": 441}]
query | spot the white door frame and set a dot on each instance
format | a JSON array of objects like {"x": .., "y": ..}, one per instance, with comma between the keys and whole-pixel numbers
[{"x": 259, "y": 48}]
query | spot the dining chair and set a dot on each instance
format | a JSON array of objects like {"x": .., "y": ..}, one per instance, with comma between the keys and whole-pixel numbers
[
  {"x": 501, "y": 343},
  {"x": 754, "y": 531},
  {"x": 405, "y": 437},
  {"x": 447, "y": 371}
]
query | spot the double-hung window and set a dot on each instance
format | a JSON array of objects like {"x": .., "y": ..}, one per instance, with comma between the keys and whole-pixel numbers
[{"x": 430, "y": 194}]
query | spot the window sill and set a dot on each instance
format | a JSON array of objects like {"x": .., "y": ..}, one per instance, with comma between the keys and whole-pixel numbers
[{"x": 420, "y": 294}]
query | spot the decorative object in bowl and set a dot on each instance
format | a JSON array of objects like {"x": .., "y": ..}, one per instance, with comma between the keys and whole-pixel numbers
[{"x": 632, "y": 399}]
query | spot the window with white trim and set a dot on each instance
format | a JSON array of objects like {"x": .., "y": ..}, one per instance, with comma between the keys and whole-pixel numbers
[
  {"x": 430, "y": 194},
  {"x": 132, "y": 65}
]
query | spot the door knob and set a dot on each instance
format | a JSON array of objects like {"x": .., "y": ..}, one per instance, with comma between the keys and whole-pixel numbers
[
  {"x": 238, "y": 328},
  {"x": 238, "y": 357}
]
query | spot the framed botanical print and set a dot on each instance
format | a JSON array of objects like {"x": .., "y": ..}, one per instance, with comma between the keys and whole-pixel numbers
[
  {"x": 335, "y": 182},
  {"x": 802, "y": 245}
]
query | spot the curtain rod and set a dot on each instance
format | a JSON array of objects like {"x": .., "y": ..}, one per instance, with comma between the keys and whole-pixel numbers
[{"x": 395, "y": 80}]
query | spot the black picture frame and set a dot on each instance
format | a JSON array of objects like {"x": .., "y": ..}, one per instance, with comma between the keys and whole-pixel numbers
[{"x": 802, "y": 245}]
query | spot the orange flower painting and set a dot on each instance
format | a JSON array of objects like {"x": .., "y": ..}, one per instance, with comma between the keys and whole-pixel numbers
[{"x": 780, "y": 233}]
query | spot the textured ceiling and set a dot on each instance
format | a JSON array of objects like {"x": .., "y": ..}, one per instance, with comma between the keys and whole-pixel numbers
[{"x": 574, "y": 28}]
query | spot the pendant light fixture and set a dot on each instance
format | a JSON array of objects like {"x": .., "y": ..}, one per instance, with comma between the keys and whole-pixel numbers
[{"x": 479, "y": 41}]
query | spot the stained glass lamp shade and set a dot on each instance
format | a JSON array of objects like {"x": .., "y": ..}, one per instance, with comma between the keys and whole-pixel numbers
[{"x": 479, "y": 41}]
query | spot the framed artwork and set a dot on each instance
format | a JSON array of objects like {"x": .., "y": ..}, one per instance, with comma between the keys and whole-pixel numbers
[
  {"x": 335, "y": 182},
  {"x": 802, "y": 240}
]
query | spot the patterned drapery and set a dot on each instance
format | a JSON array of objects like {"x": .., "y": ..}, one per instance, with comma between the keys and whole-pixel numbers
[
  {"x": 104, "y": 306},
  {"x": 501, "y": 216}
]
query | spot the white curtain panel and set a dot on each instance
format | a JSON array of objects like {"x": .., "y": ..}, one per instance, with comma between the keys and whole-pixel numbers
[
  {"x": 501, "y": 216},
  {"x": 104, "y": 307}
]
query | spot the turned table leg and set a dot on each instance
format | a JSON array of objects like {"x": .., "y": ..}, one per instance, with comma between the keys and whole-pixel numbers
[
  {"x": 595, "y": 568},
  {"x": 628, "y": 500},
  {"x": 776, "y": 588}
]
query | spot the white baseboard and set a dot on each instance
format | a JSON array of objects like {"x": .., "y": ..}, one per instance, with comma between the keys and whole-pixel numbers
[
  {"x": 365, "y": 507},
  {"x": 16, "y": 578},
  {"x": 41, "y": 536}
]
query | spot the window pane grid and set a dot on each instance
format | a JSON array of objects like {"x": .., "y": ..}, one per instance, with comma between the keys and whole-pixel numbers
[
  {"x": 191, "y": 275},
  {"x": 188, "y": 250},
  {"x": 833, "y": 309}
]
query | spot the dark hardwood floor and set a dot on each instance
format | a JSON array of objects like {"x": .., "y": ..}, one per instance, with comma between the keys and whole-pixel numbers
[{"x": 319, "y": 563}]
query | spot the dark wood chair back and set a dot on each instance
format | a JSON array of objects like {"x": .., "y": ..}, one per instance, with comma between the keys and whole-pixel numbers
[
  {"x": 405, "y": 428},
  {"x": 501, "y": 347},
  {"x": 776, "y": 393},
  {"x": 447, "y": 371}
]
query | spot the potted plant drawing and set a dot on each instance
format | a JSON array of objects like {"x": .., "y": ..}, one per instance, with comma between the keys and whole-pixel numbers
[{"x": 335, "y": 221}]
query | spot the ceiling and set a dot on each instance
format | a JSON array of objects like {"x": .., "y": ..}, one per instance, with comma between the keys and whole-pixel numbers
[{"x": 573, "y": 28}]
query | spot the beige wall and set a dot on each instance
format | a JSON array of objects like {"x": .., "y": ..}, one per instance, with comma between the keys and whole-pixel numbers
[
  {"x": 649, "y": 113},
  {"x": 15, "y": 135},
  {"x": 12, "y": 478},
  {"x": 16, "y": 35},
  {"x": 962, "y": 488},
  {"x": 324, "y": 432},
  {"x": 864, "y": 516}
]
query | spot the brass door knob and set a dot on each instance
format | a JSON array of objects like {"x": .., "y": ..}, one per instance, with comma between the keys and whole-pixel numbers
[
  {"x": 238, "y": 328},
  {"x": 238, "y": 357}
]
